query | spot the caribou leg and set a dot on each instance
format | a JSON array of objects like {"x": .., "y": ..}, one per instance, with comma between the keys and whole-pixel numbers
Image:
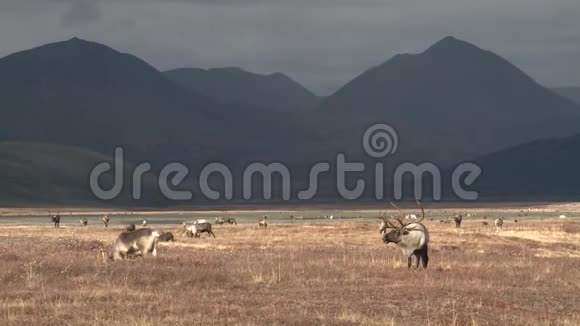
[{"x": 424, "y": 257}]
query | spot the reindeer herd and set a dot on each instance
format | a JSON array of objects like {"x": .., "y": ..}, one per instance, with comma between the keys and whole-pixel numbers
[{"x": 406, "y": 231}]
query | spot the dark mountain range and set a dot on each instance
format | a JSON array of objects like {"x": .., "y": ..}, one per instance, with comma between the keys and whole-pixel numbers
[
  {"x": 89, "y": 95},
  {"x": 233, "y": 85},
  {"x": 75, "y": 101},
  {"x": 83, "y": 93},
  {"x": 450, "y": 102},
  {"x": 572, "y": 93},
  {"x": 539, "y": 169}
]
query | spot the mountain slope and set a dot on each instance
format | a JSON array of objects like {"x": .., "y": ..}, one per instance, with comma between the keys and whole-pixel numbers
[
  {"x": 34, "y": 173},
  {"x": 83, "y": 93},
  {"x": 234, "y": 85},
  {"x": 86, "y": 94},
  {"x": 540, "y": 169},
  {"x": 572, "y": 93},
  {"x": 450, "y": 102}
]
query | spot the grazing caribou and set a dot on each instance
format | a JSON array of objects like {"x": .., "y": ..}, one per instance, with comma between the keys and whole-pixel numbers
[
  {"x": 484, "y": 223},
  {"x": 458, "y": 220},
  {"x": 188, "y": 231},
  {"x": 141, "y": 242},
  {"x": 106, "y": 220},
  {"x": 263, "y": 223},
  {"x": 55, "y": 219},
  {"x": 228, "y": 220},
  {"x": 84, "y": 222},
  {"x": 498, "y": 224},
  {"x": 144, "y": 223},
  {"x": 231, "y": 220},
  {"x": 195, "y": 230},
  {"x": 166, "y": 237},
  {"x": 412, "y": 238},
  {"x": 130, "y": 227}
]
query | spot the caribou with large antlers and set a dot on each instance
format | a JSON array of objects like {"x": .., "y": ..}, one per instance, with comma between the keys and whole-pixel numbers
[{"x": 412, "y": 238}]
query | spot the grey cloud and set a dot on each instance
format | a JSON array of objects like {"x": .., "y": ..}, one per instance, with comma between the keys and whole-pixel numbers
[{"x": 82, "y": 12}]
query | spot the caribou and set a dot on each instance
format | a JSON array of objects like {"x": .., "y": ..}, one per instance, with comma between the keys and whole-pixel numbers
[
  {"x": 458, "y": 220},
  {"x": 137, "y": 243},
  {"x": 84, "y": 222},
  {"x": 106, "y": 220},
  {"x": 263, "y": 223},
  {"x": 412, "y": 238},
  {"x": 130, "y": 227},
  {"x": 498, "y": 224},
  {"x": 166, "y": 237},
  {"x": 144, "y": 223},
  {"x": 55, "y": 219},
  {"x": 195, "y": 230},
  {"x": 228, "y": 220}
]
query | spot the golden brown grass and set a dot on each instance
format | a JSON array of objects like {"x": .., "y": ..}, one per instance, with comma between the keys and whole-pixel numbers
[{"x": 323, "y": 274}]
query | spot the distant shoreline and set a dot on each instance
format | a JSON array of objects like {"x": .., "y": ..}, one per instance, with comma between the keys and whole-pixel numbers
[{"x": 538, "y": 206}]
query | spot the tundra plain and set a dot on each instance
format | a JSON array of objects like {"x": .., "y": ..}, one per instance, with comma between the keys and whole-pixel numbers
[{"x": 332, "y": 272}]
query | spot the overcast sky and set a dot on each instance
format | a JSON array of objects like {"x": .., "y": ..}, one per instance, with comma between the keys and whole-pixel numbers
[{"x": 320, "y": 43}]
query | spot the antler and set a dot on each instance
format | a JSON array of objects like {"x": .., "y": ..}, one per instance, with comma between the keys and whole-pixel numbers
[
  {"x": 381, "y": 216},
  {"x": 389, "y": 224},
  {"x": 422, "y": 211},
  {"x": 401, "y": 212},
  {"x": 399, "y": 219},
  {"x": 387, "y": 221}
]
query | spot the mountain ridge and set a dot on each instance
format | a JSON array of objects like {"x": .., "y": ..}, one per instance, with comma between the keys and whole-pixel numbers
[
  {"x": 571, "y": 92},
  {"x": 235, "y": 85},
  {"x": 434, "y": 99},
  {"x": 87, "y": 94}
]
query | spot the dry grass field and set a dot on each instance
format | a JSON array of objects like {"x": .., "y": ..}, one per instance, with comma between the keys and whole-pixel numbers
[{"x": 332, "y": 273}]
